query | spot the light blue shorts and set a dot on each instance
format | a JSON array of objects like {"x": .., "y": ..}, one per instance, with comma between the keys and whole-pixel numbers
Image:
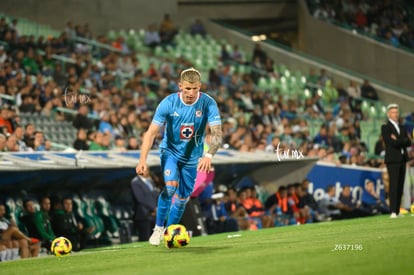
[{"x": 185, "y": 175}]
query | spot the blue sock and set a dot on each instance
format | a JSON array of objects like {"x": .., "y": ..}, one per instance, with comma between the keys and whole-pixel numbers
[
  {"x": 164, "y": 204},
  {"x": 177, "y": 211}
]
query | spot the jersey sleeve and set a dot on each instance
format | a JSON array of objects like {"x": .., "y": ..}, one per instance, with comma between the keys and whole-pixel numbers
[
  {"x": 161, "y": 113},
  {"x": 213, "y": 114}
]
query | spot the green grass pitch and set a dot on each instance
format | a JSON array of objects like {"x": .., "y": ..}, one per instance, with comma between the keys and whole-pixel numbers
[{"x": 375, "y": 245}]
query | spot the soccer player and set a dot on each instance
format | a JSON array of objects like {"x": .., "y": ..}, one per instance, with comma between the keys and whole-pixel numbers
[{"x": 185, "y": 115}]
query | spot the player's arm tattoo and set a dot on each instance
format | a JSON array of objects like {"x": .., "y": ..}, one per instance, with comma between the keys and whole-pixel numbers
[{"x": 216, "y": 139}]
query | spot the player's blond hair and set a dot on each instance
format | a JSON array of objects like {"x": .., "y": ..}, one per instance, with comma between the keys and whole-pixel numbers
[{"x": 190, "y": 75}]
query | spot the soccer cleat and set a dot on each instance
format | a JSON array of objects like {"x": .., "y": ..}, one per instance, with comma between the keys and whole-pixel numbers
[
  {"x": 157, "y": 235},
  {"x": 393, "y": 215}
]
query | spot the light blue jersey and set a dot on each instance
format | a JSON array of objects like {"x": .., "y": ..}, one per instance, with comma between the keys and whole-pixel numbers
[{"x": 185, "y": 125}]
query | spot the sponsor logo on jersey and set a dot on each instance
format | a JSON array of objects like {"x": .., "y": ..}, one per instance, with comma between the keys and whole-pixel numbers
[
  {"x": 174, "y": 114},
  {"x": 186, "y": 131}
]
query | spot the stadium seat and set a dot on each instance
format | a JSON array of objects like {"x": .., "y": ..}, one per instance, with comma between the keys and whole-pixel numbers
[
  {"x": 81, "y": 208},
  {"x": 104, "y": 211}
]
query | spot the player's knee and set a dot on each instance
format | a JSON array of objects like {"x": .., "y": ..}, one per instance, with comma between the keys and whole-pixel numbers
[
  {"x": 173, "y": 183},
  {"x": 181, "y": 202},
  {"x": 169, "y": 191}
]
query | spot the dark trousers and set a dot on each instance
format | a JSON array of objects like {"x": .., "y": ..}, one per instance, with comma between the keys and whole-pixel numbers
[
  {"x": 396, "y": 174},
  {"x": 144, "y": 229}
]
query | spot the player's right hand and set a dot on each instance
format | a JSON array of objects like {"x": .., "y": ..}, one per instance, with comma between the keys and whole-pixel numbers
[{"x": 141, "y": 168}]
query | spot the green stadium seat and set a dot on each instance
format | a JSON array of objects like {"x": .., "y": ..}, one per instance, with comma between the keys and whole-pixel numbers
[{"x": 104, "y": 211}]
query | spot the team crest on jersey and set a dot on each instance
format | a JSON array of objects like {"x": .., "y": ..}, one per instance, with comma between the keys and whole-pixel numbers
[
  {"x": 167, "y": 172},
  {"x": 186, "y": 131},
  {"x": 199, "y": 113}
]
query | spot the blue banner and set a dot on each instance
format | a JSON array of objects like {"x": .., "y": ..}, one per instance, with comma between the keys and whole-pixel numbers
[{"x": 323, "y": 175}]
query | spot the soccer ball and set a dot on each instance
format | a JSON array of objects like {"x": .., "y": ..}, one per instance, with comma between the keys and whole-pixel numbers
[
  {"x": 61, "y": 246},
  {"x": 412, "y": 208},
  {"x": 176, "y": 236}
]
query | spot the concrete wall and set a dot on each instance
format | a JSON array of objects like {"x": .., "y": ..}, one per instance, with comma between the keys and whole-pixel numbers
[
  {"x": 101, "y": 15},
  {"x": 238, "y": 9},
  {"x": 355, "y": 52}
]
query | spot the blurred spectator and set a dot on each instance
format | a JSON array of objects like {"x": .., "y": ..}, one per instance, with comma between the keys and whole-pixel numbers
[
  {"x": 28, "y": 105},
  {"x": 224, "y": 54},
  {"x": 308, "y": 200},
  {"x": 39, "y": 143},
  {"x": 152, "y": 37},
  {"x": 3, "y": 55},
  {"x": 29, "y": 135},
  {"x": 330, "y": 206},
  {"x": 121, "y": 45},
  {"x": 278, "y": 206},
  {"x": 66, "y": 224},
  {"x": 236, "y": 55},
  {"x": 322, "y": 137},
  {"x": 217, "y": 219},
  {"x": 379, "y": 149},
  {"x": 5, "y": 121},
  {"x": 81, "y": 142},
  {"x": 304, "y": 211},
  {"x": 37, "y": 222},
  {"x": 259, "y": 53},
  {"x": 369, "y": 92},
  {"x": 241, "y": 139},
  {"x": 3, "y": 140},
  {"x": 371, "y": 201},
  {"x": 96, "y": 143},
  {"x": 70, "y": 30},
  {"x": 58, "y": 75},
  {"x": 235, "y": 210},
  {"x": 255, "y": 208},
  {"x": 323, "y": 77},
  {"x": 168, "y": 30},
  {"x": 29, "y": 62},
  {"x": 119, "y": 144},
  {"x": 352, "y": 208},
  {"x": 132, "y": 143},
  {"x": 11, "y": 144},
  {"x": 105, "y": 125},
  {"x": 197, "y": 27},
  {"x": 15, "y": 240},
  {"x": 81, "y": 119},
  {"x": 324, "y": 12}
]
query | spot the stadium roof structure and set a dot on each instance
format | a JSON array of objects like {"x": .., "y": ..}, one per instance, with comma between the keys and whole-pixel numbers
[{"x": 76, "y": 169}]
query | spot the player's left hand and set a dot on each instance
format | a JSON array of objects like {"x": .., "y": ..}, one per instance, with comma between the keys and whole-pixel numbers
[{"x": 204, "y": 164}]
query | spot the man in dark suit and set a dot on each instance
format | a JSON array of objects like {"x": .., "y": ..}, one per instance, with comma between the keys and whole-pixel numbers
[
  {"x": 145, "y": 194},
  {"x": 396, "y": 141}
]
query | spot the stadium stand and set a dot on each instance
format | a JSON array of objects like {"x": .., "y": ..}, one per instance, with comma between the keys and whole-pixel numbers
[
  {"x": 274, "y": 101},
  {"x": 384, "y": 21}
]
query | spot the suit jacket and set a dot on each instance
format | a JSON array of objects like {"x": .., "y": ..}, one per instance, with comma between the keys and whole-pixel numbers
[
  {"x": 145, "y": 200},
  {"x": 393, "y": 147}
]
